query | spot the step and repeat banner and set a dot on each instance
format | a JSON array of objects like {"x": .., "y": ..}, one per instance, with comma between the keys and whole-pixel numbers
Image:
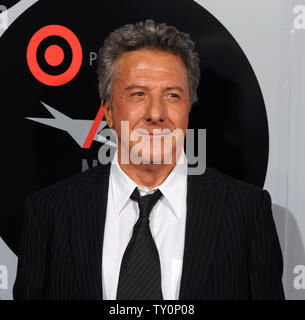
[{"x": 251, "y": 102}]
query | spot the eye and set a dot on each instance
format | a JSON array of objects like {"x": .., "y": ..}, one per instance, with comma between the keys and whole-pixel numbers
[
  {"x": 174, "y": 95},
  {"x": 138, "y": 94}
]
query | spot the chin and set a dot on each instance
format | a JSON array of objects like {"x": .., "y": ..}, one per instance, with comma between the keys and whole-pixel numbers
[{"x": 153, "y": 157}]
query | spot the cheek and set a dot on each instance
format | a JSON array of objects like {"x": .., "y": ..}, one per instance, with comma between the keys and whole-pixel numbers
[
  {"x": 120, "y": 109},
  {"x": 126, "y": 112},
  {"x": 179, "y": 119}
]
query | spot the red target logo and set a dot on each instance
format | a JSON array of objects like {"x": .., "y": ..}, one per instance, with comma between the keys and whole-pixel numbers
[{"x": 53, "y": 55}]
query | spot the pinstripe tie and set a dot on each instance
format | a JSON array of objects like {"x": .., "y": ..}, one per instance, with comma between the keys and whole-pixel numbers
[{"x": 140, "y": 273}]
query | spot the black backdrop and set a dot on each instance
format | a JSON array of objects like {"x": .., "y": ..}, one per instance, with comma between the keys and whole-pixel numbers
[{"x": 230, "y": 106}]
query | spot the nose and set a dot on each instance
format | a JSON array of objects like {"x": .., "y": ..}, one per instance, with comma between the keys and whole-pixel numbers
[{"x": 155, "y": 110}]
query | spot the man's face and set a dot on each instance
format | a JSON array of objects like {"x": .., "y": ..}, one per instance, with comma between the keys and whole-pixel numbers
[{"x": 150, "y": 91}]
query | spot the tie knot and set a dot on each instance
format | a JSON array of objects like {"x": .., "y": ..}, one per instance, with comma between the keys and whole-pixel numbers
[{"x": 147, "y": 202}]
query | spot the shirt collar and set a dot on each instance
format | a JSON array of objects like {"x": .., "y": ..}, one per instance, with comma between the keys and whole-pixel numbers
[{"x": 173, "y": 187}]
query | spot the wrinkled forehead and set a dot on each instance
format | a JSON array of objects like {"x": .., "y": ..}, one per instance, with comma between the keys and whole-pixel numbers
[{"x": 151, "y": 66}]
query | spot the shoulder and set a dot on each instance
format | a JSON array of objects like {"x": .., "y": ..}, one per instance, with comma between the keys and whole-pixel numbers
[
  {"x": 239, "y": 191},
  {"x": 81, "y": 181},
  {"x": 243, "y": 203},
  {"x": 51, "y": 204}
]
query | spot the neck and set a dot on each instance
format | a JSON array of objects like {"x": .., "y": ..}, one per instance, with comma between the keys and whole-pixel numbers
[{"x": 149, "y": 175}]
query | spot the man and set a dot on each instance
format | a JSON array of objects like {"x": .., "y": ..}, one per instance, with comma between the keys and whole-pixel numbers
[{"x": 141, "y": 228}]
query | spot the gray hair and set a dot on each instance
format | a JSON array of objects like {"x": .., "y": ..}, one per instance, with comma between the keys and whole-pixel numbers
[{"x": 151, "y": 35}]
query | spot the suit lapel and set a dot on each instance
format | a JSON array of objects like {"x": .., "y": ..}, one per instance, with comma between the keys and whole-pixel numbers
[
  {"x": 88, "y": 200},
  {"x": 205, "y": 199}
]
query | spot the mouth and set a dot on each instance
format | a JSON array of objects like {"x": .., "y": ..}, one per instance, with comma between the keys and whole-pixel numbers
[{"x": 154, "y": 132}]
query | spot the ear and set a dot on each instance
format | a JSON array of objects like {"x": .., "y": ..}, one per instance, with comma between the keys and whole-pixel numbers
[{"x": 107, "y": 112}]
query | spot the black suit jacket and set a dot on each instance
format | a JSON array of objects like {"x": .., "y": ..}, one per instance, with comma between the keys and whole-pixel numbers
[{"x": 231, "y": 245}]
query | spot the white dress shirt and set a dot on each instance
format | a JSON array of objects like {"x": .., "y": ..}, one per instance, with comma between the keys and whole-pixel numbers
[{"x": 167, "y": 224}]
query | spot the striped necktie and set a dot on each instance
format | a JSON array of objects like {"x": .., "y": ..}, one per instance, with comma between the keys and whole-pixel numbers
[{"x": 140, "y": 272}]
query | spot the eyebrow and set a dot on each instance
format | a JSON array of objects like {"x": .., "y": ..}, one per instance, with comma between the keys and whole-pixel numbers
[
  {"x": 174, "y": 88},
  {"x": 134, "y": 86}
]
